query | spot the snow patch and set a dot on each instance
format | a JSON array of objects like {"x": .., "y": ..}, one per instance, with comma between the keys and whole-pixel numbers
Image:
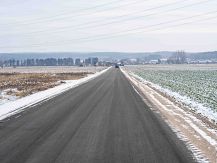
[{"x": 5, "y": 97}]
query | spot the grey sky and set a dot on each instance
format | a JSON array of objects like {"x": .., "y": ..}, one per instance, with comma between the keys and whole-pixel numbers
[{"x": 108, "y": 25}]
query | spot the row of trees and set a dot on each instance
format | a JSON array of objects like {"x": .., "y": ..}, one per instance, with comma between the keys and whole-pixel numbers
[{"x": 48, "y": 62}]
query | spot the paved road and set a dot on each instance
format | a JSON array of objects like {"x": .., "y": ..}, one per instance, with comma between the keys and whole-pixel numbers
[{"x": 104, "y": 120}]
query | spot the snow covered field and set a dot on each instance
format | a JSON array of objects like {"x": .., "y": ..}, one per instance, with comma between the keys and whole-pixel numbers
[
  {"x": 193, "y": 85},
  {"x": 12, "y": 107}
]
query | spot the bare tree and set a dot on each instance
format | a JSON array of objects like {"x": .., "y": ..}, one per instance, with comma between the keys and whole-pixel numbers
[{"x": 178, "y": 57}]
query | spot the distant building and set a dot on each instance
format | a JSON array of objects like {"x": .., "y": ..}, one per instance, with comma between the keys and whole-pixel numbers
[
  {"x": 154, "y": 61},
  {"x": 162, "y": 61}
]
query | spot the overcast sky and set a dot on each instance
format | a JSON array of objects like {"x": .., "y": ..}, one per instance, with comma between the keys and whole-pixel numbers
[{"x": 108, "y": 25}]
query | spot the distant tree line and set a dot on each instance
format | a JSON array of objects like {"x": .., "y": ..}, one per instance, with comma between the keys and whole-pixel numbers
[{"x": 50, "y": 62}]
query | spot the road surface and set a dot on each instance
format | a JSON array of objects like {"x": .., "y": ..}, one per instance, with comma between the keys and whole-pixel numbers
[{"x": 103, "y": 120}]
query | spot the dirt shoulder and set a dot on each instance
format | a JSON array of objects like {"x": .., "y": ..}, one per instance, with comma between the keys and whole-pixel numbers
[{"x": 200, "y": 137}]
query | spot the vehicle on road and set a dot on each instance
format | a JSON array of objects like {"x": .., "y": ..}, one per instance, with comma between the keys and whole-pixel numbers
[{"x": 116, "y": 65}]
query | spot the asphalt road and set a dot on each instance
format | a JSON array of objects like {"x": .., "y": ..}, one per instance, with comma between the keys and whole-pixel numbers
[{"x": 103, "y": 120}]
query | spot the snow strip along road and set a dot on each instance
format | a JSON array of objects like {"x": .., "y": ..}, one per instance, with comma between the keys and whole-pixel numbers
[
  {"x": 19, "y": 105},
  {"x": 103, "y": 120}
]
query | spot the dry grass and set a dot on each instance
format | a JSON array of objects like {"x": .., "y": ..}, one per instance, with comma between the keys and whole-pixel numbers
[{"x": 23, "y": 84}]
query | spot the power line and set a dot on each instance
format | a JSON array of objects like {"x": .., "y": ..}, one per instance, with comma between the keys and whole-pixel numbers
[
  {"x": 79, "y": 13},
  {"x": 149, "y": 26},
  {"x": 136, "y": 12},
  {"x": 81, "y": 10},
  {"x": 122, "y": 33},
  {"x": 157, "y": 13},
  {"x": 151, "y": 30},
  {"x": 14, "y": 3},
  {"x": 119, "y": 20}
]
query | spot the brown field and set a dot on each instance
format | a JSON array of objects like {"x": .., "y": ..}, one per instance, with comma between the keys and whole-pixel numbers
[
  {"x": 20, "y": 84},
  {"x": 24, "y": 81}
]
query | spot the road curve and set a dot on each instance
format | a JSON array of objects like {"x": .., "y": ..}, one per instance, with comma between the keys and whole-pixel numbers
[{"x": 103, "y": 120}]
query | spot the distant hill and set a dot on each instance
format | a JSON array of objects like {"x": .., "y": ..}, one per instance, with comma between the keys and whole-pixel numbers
[
  {"x": 106, "y": 55},
  {"x": 202, "y": 55},
  {"x": 102, "y": 55}
]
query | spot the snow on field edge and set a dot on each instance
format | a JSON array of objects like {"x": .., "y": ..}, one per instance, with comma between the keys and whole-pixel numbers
[
  {"x": 14, "y": 107},
  {"x": 197, "y": 107},
  {"x": 197, "y": 152}
]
